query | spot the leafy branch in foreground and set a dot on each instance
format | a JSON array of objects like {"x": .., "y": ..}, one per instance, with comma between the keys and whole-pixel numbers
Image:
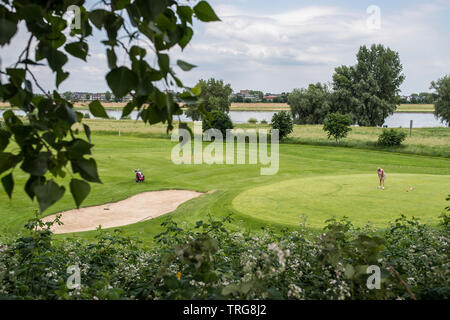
[{"x": 49, "y": 146}]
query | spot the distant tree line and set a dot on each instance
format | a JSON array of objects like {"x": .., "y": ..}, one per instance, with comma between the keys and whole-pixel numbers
[{"x": 419, "y": 98}]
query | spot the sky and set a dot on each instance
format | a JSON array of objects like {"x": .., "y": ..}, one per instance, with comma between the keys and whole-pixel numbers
[{"x": 276, "y": 46}]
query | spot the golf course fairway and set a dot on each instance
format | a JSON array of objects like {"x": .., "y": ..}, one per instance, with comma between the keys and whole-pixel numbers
[
  {"x": 354, "y": 196},
  {"x": 319, "y": 181}
]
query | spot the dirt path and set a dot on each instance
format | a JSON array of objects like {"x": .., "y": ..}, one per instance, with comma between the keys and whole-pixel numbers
[{"x": 140, "y": 207}]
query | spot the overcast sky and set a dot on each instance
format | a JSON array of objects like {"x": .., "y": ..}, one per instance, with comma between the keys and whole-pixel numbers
[{"x": 276, "y": 46}]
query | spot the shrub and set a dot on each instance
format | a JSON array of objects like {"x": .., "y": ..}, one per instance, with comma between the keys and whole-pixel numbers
[
  {"x": 391, "y": 137},
  {"x": 263, "y": 121},
  {"x": 211, "y": 262},
  {"x": 283, "y": 122},
  {"x": 252, "y": 120},
  {"x": 219, "y": 120},
  {"x": 86, "y": 116},
  {"x": 337, "y": 125}
]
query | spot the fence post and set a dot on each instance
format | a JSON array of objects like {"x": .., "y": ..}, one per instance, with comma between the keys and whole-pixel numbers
[{"x": 410, "y": 127}]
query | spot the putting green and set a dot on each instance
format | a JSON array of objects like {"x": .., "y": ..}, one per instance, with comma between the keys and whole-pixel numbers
[{"x": 353, "y": 196}]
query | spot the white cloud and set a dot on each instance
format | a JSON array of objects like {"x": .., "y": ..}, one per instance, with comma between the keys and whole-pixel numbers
[
  {"x": 304, "y": 45},
  {"x": 282, "y": 50}
]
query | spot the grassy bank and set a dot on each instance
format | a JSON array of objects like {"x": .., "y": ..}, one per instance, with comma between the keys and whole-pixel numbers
[{"x": 423, "y": 141}]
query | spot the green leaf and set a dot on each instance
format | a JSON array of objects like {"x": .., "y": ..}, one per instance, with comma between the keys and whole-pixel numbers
[
  {"x": 204, "y": 12},
  {"x": 137, "y": 51},
  {"x": 56, "y": 59},
  {"x": 160, "y": 99},
  {"x": 184, "y": 65},
  {"x": 77, "y": 148},
  {"x": 80, "y": 190},
  {"x": 121, "y": 80},
  {"x": 48, "y": 194},
  {"x": 164, "y": 62},
  {"x": 87, "y": 130},
  {"x": 61, "y": 76},
  {"x": 87, "y": 168},
  {"x": 77, "y": 49},
  {"x": 8, "y": 184},
  {"x": 97, "y": 17},
  {"x": 31, "y": 184},
  {"x": 4, "y": 139},
  {"x": 17, "y": 76},
  {"x": 121, "y": 4},
  {"x": 8, "y": 30},
  {"x": 97, "y": 110},
  {"x": 151, "y": 115},
  {"x": 186, "y": 38},
  {"x": 128, "y": 109},
  {"x": 36, "y": 166},
  {"x": 185, "y": 13},
  {"x": 112, "y": 58}
]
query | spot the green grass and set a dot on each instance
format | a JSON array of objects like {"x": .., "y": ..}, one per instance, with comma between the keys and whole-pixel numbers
[
  {"x": 118, "y": 155},
  {"x": 424, "y": 141},
  {"x": 320, "y": 198}
]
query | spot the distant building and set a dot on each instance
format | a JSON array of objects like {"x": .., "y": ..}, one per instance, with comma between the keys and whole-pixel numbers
[
  {"x": 100, "y": 96},
  {"x": 89, "y": 96},
  {"x": 244, "y": 95},
  {"x": 79, "y": 96},
  {"x": 270, "y": 97},
  {"x": 127, "y": 98}
]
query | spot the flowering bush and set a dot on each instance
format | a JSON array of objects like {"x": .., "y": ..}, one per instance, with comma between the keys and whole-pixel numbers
[{"x": 209, "y": 262}]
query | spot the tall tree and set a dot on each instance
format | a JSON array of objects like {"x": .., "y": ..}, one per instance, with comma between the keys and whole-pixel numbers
[
  {"x": 442, "y": 102},
  {"x": 108, "y": 96},
  {"x": 369, "y": 90},
  {"x": 214, "y": 95},
  {"x": 311, "y": 105}
]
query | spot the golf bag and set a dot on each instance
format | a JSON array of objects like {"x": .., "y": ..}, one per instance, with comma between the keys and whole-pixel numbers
[{"x": 139, "y": 176}]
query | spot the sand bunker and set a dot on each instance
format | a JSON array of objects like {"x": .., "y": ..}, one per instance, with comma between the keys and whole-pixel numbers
[{"x": 140, "y": 207}]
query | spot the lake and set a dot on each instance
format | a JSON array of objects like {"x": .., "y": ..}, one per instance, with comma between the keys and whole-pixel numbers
[{"x": 397, "y": 120}]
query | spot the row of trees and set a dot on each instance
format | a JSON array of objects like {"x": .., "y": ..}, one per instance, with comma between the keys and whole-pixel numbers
[{"x": 418, "y": 98}]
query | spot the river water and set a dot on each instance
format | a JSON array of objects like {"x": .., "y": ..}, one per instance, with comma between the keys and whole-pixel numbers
[{"x": 397, "y": 120}]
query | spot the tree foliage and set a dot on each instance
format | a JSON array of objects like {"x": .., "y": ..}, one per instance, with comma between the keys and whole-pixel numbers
[
  {"x": 442, "y": 104},
  {"x": 283, "y": 122},
  {"x": 311, "y": 105},
  {"x": 369, "y": 90},
  {"x": 217, "y": 120},
  {"x": 48, "y": 145},
  {"x": 391, "y": 137},
  {"x": 213, "y": 261},
  {"x": 337, "y": 125},
  {"x": 214, "y": 95}
]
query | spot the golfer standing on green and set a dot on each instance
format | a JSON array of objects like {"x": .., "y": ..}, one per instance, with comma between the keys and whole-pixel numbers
[{"x": 381, "y": 177}]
